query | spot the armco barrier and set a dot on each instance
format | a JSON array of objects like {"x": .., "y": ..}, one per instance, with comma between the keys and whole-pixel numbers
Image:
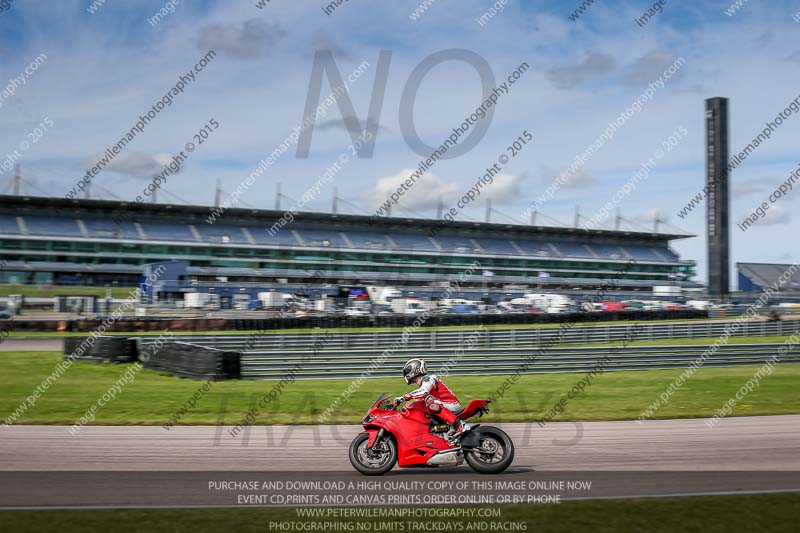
[
  {"x": 111, "y": 349},
  {"x": 194, "y": 361},
  {"x": 344, "y": 365},
  {"x": 382, "y": 321},
  {"x": 428, "y": 338},
  {"x": 130, "y": 324},
  {"x": 496, "y": 352}
]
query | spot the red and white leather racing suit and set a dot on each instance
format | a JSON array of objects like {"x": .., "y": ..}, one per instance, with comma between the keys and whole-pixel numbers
[{"x": 439, "y": 400}]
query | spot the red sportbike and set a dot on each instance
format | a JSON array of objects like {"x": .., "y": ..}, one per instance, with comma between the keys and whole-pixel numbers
[{"x": 409, "y": 436}]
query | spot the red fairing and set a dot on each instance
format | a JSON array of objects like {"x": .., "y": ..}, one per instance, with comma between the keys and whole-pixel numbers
[
  {"x": 414, "y": 436},
  {"x": 410, "y": 426},
  {"x": 373, "y": 434},
  {"x": 471, "y": 409}
]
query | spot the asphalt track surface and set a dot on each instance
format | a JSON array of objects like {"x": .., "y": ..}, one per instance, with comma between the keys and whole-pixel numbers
[
  {"x": 147, "y": 466},
  {"x": 25, "y": 344}
]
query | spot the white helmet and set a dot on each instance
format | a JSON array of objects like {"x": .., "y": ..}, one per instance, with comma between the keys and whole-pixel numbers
[{"x": 412, "y": 369}]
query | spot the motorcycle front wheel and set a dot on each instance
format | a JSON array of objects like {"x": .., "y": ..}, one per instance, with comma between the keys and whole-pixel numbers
[
  {"x": 494, "y": 452},
  {"x": 376, "y": 461}
]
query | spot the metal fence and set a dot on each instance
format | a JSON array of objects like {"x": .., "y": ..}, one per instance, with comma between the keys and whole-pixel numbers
[
  {"x": 331, "y": 365},
  {"x": 483, "y": 351},
  {"x": 431, "y": 339}
]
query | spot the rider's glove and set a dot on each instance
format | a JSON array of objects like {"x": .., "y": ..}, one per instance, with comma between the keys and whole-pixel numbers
[{"x": 397, "y": 401}]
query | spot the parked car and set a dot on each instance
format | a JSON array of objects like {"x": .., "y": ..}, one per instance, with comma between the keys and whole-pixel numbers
[
  {"x": 616, "y": 306},
  {"x": 382, "y": 309},
  {"x": 463, "y": 309},
  {"x": 356, "y": 311}
]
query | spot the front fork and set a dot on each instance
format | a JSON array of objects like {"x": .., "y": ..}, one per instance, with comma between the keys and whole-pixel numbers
[{"x": 375, "y": 436}]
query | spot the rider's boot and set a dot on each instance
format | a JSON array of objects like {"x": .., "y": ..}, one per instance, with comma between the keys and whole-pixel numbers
[{"x": 459, "y": 429}]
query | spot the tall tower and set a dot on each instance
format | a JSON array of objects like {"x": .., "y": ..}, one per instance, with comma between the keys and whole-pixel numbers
[{"x": 717, "y": 210}]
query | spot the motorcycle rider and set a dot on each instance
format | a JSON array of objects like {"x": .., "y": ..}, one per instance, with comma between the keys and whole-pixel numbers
[{"x": 439, "y": 400}]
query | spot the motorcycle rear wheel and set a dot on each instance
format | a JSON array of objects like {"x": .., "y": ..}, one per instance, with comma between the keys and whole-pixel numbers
[
  {"x": 377, "y": 461},
  {"x": 495, "y": 452}
]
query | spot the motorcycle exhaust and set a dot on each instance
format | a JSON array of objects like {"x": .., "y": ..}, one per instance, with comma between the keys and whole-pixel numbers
[{"x": 452, "y": 457}]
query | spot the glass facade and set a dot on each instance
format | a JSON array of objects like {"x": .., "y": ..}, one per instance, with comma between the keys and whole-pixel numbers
[{"x": 51, "y": 254}]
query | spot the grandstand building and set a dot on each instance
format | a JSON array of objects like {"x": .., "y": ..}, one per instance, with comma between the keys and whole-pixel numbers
[
  {"x": 758, "y": 277},
  {"x": 99, "y": 242}
]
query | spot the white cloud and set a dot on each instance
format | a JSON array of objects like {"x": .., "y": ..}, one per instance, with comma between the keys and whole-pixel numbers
[
  {"x": 425, "y": 193},
  {"x": 651, "y": 215},
  {"x": 650, "y": 67},
  {"x": 430, "y": 189},
  {"x": 581, "y": 178},
  {"x": 249, "y": 40},
  {"x": 594, "y": 65},
  {"x": 776, "y": 214},
  {"x": 138, "y": 164},
  {"x": 124, "y": 67},
  {"x": 794, "y": 57},
  {"x": 747, "y": 187},
  {"x": 341, "y": 125},
  {"x": 503, "y": 189}
]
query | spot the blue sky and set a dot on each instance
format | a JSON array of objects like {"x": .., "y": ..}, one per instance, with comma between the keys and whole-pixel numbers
[{"x": 105, "y": 69}]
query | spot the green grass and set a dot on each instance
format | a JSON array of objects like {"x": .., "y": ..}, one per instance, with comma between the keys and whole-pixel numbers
[
  {"x": 153, "y": 398},
  {"x": 39, "y": 291},
  {"x": 759, "y": 513}
]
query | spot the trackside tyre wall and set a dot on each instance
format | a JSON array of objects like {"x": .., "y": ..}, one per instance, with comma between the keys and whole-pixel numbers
[
  {"x": 111, "y": 349},
  {"x": 191, "y": 360}
]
